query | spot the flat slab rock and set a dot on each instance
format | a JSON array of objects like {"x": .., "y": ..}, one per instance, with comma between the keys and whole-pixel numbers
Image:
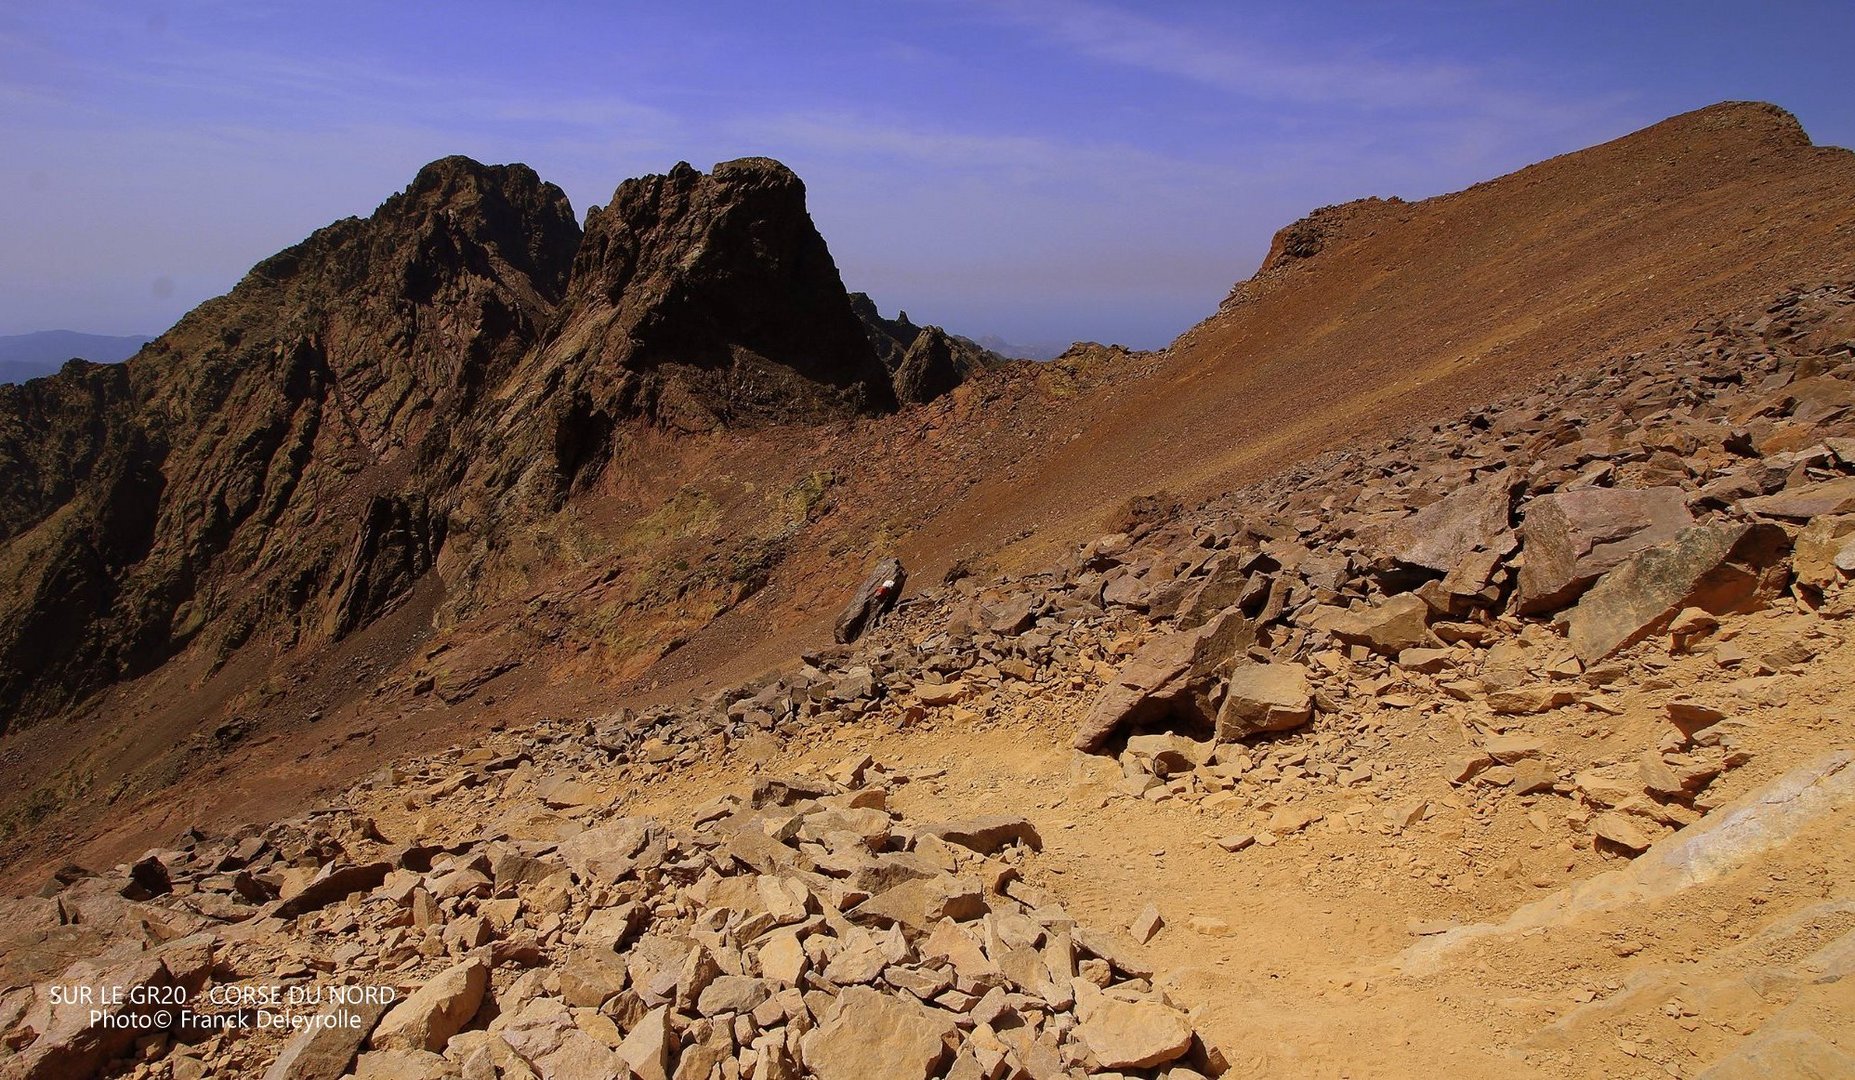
[
  {"x": 1716, "y": 568},
  {"x": 436, "y": 1011},
  {"x": 334, "y": 882},
  {"x": 1264, "y": 697},
  {"x": 988, "y": 834},
  {"x": 1400, "y": 622},
  {"x": 1441, "y": 535},
  {"x": 1135, "y": 692},
  {"x": 1162, "y": 675},
  {"x": 1571, "y": 538},
  {"x": 1807, "y": 501},
  {"x": 871, "y": 1034},
  {"x": 326, "y": 1052},
  {"x": 1135, "y": 1034}
]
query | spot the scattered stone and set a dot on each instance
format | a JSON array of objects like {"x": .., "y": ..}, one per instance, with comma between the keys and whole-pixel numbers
[
  {"x": 1146, "y": 924},
  {"x": 435, "y": 1011},
  {"x": 1264, "y": 697},
  {"x": 649, "y": 1047},
  {"x": 1807, "y": 501},
  {"x": 1532, "y": 775},
  {"x": 331, "y": 884},
  {"x": 1399, "y": 623},
  {"x": 1691, "y": 716},
  {"x": 1139, "y": 691},
  {"x": 1527, "y": 700},
  {"x": 986, "y": 835},
  {"x": 327, "y": 1050},
  {"x": 870, "y": 1034},
  {"x": 1439, "y": 537},
  {"x": 1133, "y": 1034},
  {"x": 1623, "y": 831},
  {"x": 938, "y": 694},
  {"x": 1510, "y": 748}
]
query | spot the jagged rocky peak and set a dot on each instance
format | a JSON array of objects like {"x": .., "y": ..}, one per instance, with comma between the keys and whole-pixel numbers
[
  {"x": 457, "y": 217},
  {"x": 701, "y": 299},
  {"x": 290, "y": 459},
  {"x": 507, "y": 210},
  {"x": 923, "y": 362},
  {"x": 196, "y": 502},
  {"x": 935, "y": 364}
]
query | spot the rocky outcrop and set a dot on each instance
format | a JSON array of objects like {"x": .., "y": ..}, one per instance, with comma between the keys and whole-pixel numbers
[
  {"x": 1572, "y": 537},
  {"x": 53, "y": 431},
  {"x": 878, "y": 593},
  {"x": 933, "y": 365},
  {"x": 889, "y": 338},
  {"x": 398, "y": 542},
  {"x": 401, "y": 396},
  {"x": 217, "y": 478},
  {"x": 702, "y": 299},
  {"x": 923, "y": 362},
  {"x": 1717, "y": 569}
]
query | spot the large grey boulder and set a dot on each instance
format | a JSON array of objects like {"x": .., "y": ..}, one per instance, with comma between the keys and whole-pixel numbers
[
  {"x": 1570, "y": 538},
  {"x": 1717, "y": 568}
]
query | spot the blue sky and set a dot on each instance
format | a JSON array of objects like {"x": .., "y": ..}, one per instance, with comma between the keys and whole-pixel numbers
[{"x": 1040, "y": 170}]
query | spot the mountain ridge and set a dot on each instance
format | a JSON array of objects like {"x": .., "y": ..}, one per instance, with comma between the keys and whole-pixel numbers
[{"x": 616, "y": 557}]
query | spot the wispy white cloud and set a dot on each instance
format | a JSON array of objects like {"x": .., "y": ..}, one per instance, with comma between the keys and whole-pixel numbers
[
  {"x": 591, "y": 113},
  {"x": 1253, "y": 68},
  {"x": 1006, "y": 158},
  {"x": 1263, "y": 68}
]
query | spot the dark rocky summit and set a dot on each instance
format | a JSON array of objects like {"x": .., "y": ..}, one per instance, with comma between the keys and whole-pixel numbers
[
  {"x": 217, "y": 478},
  {"x": 396, "y": 392},
  {"x": 704, "y": 299}
]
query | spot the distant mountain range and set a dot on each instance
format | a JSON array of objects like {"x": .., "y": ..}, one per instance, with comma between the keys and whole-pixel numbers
[
  {"x": 1018, "y": 351},
  {"x": 28, "y": 356}
]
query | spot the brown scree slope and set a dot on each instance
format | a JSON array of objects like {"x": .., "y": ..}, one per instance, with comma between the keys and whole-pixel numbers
[{"x": 1407, "y": 312}]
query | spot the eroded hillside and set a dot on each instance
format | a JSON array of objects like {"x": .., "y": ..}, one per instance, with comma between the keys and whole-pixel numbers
[
  {"x": 562, "y": 499},
  {"x": 1513, "y": 746}
]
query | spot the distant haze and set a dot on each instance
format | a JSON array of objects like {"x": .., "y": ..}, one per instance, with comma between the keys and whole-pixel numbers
[
  {"x": 1038, "y": 170},
  {"x": 1018, "y": 350},
  {"x": 28, "y": 356}
]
